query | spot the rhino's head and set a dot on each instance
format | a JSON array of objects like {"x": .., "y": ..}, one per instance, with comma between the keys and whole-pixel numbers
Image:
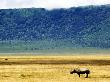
[{"x": 73, "y": 71}]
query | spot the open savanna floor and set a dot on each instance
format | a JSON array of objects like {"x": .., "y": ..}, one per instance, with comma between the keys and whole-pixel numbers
[{"x": 53, "y": 68}]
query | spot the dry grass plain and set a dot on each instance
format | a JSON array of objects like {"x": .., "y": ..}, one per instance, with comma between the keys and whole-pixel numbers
[{"x": 53, "y": 68}]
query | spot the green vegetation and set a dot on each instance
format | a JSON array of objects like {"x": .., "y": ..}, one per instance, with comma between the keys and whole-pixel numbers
[{"x": 40, "y": 30}]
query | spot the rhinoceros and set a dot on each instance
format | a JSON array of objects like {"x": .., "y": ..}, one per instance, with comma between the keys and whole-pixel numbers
[{"x": 81, "y": 71}]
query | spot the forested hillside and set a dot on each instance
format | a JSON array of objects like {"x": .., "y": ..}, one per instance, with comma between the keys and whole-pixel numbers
[{"x": 81, "y": 26}]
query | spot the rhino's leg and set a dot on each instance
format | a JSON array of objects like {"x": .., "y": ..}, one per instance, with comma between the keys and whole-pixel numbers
[
  {"x": 79, "y": 75},
  {"x": 86, "y": 75}
]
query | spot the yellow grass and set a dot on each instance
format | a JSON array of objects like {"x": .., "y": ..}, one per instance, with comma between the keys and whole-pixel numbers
[{"x": 53, "y": 68}]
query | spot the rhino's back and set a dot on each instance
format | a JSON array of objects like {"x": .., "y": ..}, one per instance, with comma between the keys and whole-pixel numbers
[{"x": 83, "y": 70}]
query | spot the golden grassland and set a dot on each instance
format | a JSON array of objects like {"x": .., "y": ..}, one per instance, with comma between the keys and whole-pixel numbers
[{"x": 53, "y": 68}]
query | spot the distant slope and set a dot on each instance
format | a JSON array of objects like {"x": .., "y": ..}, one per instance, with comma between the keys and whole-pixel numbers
[{"x": 40, "y": 29}]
